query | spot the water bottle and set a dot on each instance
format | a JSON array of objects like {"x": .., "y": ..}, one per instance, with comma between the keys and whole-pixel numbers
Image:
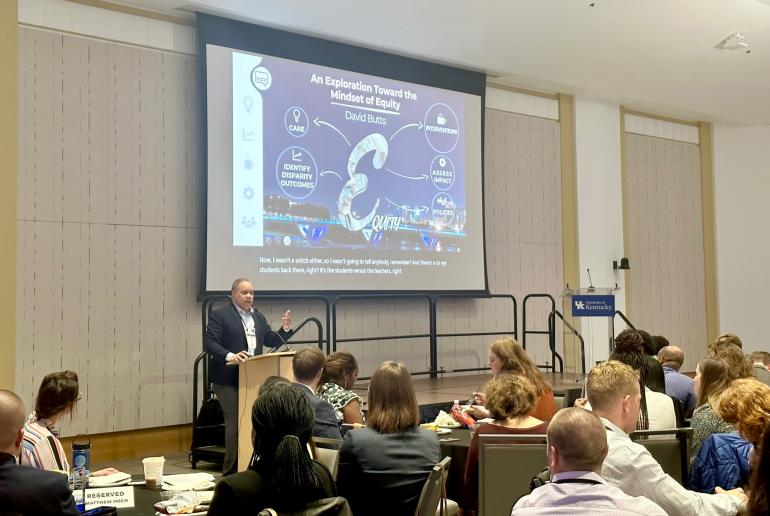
[{"x": 81, "y": 461}]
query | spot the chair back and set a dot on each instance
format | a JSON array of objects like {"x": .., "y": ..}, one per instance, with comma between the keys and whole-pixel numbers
[
  {"x": 330, "y": 459},
  {"x": 507, "y": 463},
  {"x": 327, "y": 452},
  {"x": 335, "y": 506},
  {"x": 434, "y": 490},
  {"x": 669, "y": 448}
]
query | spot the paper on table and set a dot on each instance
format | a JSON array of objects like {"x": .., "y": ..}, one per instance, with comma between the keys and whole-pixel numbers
[
  {"x": 188, "y": 481},
  {"x": 109, "y": 479}
]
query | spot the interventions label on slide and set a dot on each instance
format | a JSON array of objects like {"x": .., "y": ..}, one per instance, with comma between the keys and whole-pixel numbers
[{"x": 330, "y": 159}]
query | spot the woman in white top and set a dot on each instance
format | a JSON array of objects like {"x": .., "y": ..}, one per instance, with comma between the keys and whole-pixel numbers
[{"x": 660, "y": 410}]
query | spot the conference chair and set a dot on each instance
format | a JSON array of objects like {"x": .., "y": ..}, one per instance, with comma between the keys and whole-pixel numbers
[
  {"x": 335, "y": 506},
  {"x": 433, "y": 500},
  {"x": 327, "y": 452},
  {"x": 507, "y": 464},
  {"x": 669, "y": 448}
]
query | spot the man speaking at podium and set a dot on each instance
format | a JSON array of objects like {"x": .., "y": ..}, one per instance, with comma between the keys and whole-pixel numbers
[{"x": 234, "y": 333}]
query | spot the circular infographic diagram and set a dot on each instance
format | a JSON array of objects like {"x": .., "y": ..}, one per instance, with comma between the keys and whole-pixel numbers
[
  {"x": 296, "y": 172},
  {"x": 442, "y": 129},
  {"x": 442, "y": 172}
]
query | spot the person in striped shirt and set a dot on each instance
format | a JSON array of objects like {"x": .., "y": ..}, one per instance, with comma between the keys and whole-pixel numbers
[{"x": 58, "y": 394}]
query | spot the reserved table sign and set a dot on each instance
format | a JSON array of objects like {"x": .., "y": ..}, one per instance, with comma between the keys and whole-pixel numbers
[{"x": 122, "y": 497}]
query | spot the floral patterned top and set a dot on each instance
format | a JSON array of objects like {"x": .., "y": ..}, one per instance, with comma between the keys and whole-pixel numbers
[
  {"x": 704, "y": 423},
  {"x": 338, "y": 398}
]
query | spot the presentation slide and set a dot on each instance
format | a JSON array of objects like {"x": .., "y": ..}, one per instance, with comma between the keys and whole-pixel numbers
[{"x": 322, "y": 179}]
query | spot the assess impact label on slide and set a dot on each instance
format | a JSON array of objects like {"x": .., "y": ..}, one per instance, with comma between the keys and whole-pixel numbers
[{"x": 326, "y": 158}]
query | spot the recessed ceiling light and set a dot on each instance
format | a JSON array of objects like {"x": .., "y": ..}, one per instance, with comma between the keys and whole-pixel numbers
[{"x": 735, "y": 41}]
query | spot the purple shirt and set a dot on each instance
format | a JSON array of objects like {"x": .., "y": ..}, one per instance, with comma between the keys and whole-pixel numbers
[
  {"x": 583, "y": 492},
  {"x": 681, "y": 387}
]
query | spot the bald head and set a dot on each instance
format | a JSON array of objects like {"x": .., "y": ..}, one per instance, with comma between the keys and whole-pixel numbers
[
  {"x": 671, "y": 356},
  {"x": 577, "y": 441},
  {"x": 12, "y": 417}
]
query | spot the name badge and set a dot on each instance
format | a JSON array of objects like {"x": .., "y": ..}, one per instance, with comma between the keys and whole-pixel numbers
[
  {"x": 251, "y": 340},
  {"x": 122, "y": 497}
]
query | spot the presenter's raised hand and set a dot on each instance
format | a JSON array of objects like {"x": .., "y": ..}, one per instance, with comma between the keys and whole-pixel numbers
[{"x": 286, "y": 320}]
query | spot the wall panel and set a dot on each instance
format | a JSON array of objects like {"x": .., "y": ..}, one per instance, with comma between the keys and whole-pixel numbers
[
  {"x": 108, "y": 228},
  {"x": 662, "y": 192}
]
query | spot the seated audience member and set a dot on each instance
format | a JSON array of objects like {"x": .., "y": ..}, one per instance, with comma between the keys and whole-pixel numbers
[
  {"x": 613, "y": 391},
  {"x": 657, "y": 409},
  {"x": 654, "y": 377},
  {"x": 746, "y": 404},
  {"x": 678, "y": 385},
  {"x": 737, "y": 363},
  {"x": 759, "y": 362},
  {"x": 307, "y": 364},
  {"x": 25, "y": 490},
  {"x": 340, "y": 374},
  {"x": 281, "y": 475},
  {"x": 759, "y": 487},
  {"x": 508, "y": 356},
  {"x": 56, "y": 398},
  {"x": 723, "y": 460},
  {"x": 510, "y": 399},
  {"x": 660, "y": 343},
  {"x": 272, "y": 380},
  {"x": 577, "y": 446},
  {"x": 726, "y": 339},
  {"x": 711, "y": 379},
  {"x": 648, "y": 345},
  {"x": 384, "y": 465}
]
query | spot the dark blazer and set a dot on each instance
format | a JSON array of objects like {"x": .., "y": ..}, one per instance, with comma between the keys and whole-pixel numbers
[
  {"x": 325, "y": 424},
  {"x": 225, "y": 334},
  {"x": 248, "y": 493},
  {"x": 33, "y": 492},
  {"x": 383, "y": 474}
]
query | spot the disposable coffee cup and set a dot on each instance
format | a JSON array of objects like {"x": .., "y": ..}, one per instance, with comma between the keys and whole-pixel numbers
[{"x": 153, "y": 471}]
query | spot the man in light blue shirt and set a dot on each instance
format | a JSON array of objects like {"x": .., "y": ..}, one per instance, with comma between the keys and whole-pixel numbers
[{"x": 678, "y": 385}]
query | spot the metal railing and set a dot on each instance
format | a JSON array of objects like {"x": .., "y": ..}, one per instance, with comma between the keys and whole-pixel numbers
[
  {"x": 612, "y": 323},
  {"x": 433, "y": 335},
  {"x": 552, "y": 340},
  {"x": 525, "y": 332}
]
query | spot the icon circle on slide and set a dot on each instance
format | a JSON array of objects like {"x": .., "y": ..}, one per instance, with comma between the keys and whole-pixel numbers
[
  {"x": 441, "y": 128},
  {"x": 442, "y": 173},
  {"x": 296, "y": 121},
  {"x": 261, "y": 78},
  {"x": 296, "y": 172},
  {"x": 442, "y": 209}
]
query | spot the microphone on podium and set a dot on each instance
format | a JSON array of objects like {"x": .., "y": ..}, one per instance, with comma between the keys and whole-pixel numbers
[
  {"x": 591, "y": 287},
  {"x": 283, "y": 346}
]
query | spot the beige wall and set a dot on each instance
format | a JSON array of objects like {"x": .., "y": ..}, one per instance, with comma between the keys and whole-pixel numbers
[
  {"x": 109, "y": 225},
  {"x": 664, "y": 238}
]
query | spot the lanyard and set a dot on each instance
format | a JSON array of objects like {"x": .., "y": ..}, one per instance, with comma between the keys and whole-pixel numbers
[{"x": 576, "y": 481}]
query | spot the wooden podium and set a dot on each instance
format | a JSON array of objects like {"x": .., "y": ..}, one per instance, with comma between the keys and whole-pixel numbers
[{"x": 251, "y": 375}]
